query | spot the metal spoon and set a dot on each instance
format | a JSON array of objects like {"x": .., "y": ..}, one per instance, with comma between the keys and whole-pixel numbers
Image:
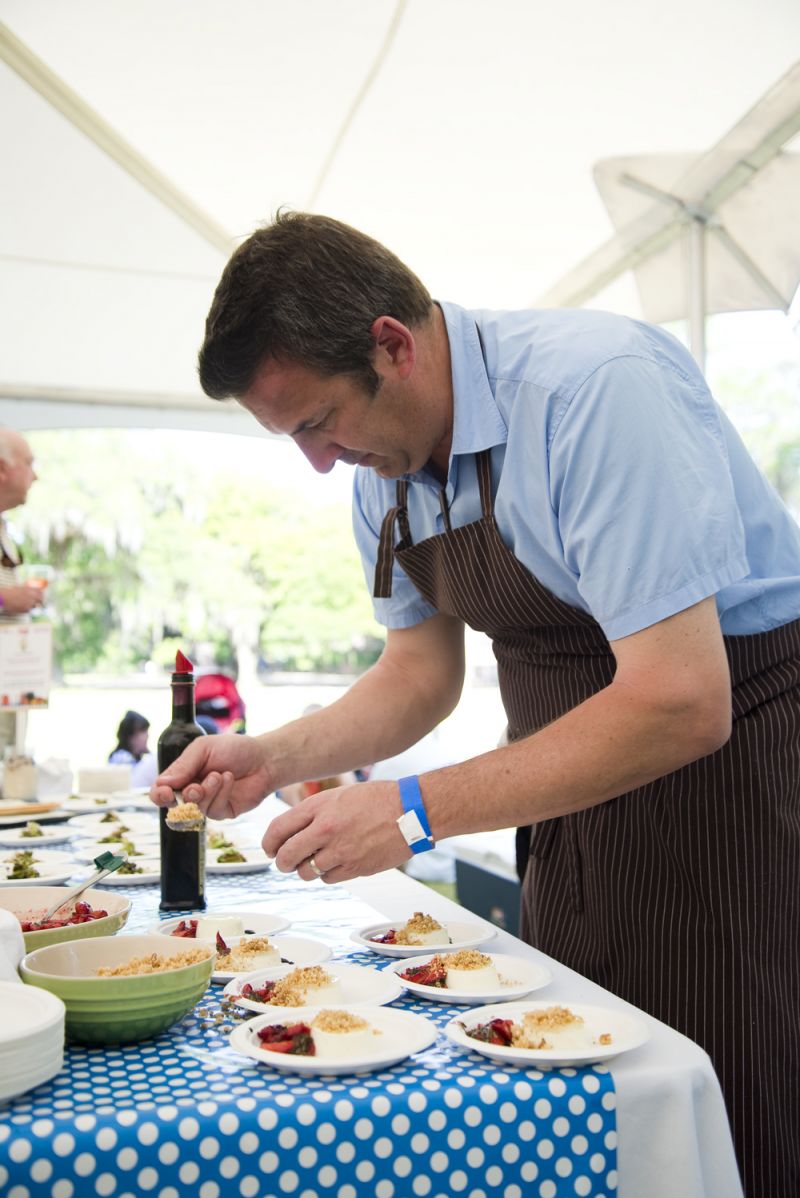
[{"x": 106, "y": 863}]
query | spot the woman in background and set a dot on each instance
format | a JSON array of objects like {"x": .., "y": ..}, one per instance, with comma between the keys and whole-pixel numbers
[{"x": 132, "y": 749}]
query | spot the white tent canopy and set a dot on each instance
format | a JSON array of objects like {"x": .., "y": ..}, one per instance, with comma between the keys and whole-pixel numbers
[{"x": 461, "y": 132}]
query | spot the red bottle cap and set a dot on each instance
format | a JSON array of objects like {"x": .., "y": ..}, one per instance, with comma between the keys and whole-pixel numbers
[{"x": 182, "y": 664}]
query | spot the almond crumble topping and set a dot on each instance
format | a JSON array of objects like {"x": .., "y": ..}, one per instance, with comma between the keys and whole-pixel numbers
[
  {"x": 467, "y": 958},
  {"x": 339, "y": 1021},
  {"x": 291, "y": 990},
  {"x": 184, "y": 813},
  {"x": 418, "y": 925},
  {"x": 153, "y": 963}
]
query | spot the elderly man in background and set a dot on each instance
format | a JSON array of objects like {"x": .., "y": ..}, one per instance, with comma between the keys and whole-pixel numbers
[{"x": 17, "y": 475}]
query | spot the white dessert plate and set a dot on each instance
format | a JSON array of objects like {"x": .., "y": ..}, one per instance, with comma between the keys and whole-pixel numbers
[
  {"x": 294, "y": 950},
  {"x": 359, "y": 987},
  {"x": 13, "y": 838},
  {"x": 254, "y": 862},
  {"x": 625, "y": 1030},
  {"x": 151, "y": 875},
  {"x": 256, "y": 923},
  {"x": 518, "y": 977},
  {"x": 462, "y": 935},
  {"x": 401, "y": 1035}
]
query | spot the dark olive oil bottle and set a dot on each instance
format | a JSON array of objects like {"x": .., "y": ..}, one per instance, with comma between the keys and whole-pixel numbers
[{"x": 183, "y": 854}]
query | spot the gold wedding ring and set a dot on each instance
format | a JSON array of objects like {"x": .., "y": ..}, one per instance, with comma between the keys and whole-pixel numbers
[{"x": 319, "y": 872}]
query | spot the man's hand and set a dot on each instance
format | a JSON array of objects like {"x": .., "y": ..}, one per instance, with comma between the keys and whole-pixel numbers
[
  {"x": 350, "y": 832},
  {"x": 224, "y": 775},
  {"x": 17, "y": 601}
]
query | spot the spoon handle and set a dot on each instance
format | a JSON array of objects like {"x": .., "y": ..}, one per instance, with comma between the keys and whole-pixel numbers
[{"x": 106, "y": 862}]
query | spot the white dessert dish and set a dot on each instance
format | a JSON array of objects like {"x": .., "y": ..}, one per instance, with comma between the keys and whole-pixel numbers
[
  {"x": 357, "y": 986},
  {"x": 294, "y": 950},
  {"x": 513, "y": 978},
  {"x": 48, "y": 873},
  {"x": 254, "y": 923},
  {"x": 461, "y": 935},
  {"x": 399, "y": 1034},
  {"x": 579, "y": 1047}
]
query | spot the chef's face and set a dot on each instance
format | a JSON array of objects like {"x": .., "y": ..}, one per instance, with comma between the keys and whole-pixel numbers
[{"x": 335, "y": 419}]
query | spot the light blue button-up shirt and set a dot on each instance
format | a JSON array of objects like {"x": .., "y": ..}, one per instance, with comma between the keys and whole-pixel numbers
[{"x": 619, "y": 482}]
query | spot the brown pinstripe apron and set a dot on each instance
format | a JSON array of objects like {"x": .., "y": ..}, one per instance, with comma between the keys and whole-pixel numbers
[{"x": 683, "y": 896}]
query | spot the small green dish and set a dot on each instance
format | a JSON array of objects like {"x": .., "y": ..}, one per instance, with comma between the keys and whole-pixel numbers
[
  {"x": 33, "y": 901},
  {"x": 118, "y": 1010}
]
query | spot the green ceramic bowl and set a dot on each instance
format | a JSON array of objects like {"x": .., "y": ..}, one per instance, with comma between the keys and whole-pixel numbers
[
  {"x": 26, "y": 901},
  {"x": 103, "y": 1010}
]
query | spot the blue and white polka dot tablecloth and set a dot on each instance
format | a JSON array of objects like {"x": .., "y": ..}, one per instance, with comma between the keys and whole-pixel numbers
[{"x": 183, "y": 1114}]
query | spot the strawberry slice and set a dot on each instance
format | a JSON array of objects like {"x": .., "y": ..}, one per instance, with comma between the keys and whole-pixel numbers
[
  {"x": 222, "y": 948},
  {"x": 432, "y": 974}
]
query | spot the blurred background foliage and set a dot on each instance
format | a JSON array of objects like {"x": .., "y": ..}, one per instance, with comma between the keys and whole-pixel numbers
[{"x": 152, "y": 551}]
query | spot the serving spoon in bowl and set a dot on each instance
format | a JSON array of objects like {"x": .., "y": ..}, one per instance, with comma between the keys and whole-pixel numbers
[{"x": 106, "y": 864}]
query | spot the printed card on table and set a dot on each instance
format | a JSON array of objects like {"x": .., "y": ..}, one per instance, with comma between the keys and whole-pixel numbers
[{"x": 26, "y": 656}]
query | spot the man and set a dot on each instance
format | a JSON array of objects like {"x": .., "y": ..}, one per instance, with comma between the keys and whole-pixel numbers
[
  {"x": 17, "y": 475},
  {"x": 565, "y": 482}
]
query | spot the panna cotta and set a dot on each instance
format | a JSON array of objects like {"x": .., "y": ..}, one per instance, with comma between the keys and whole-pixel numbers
[
  {"x": 422, "y": 929},
  {"x": 552, "y": 1028},
  {"x": 340, "y": 1035},
  {"x": 470, "y": 971},
  {"x": 226, "y": 925},
  {"x": 307, "y": 986},
  {"x": 254, "y": 952}
]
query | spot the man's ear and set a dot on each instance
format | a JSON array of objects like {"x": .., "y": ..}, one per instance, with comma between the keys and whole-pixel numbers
[{"x": 395, "y": 348}]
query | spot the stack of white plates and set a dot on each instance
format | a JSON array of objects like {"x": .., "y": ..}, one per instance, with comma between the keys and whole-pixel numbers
[{"x": 31, "y": 1038}]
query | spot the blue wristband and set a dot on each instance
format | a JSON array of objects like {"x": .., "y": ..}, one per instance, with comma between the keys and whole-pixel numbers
[{"x": 414, "y": 824}]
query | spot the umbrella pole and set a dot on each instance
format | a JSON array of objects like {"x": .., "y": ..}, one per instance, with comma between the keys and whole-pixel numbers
[{"x": 697, "y": 291}]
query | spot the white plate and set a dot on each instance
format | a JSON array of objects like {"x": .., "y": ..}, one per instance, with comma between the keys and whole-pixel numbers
[
  {"x": 45, "y": 856},
  {"x": 626, "y": 1032},
  {"x": 13, "y": 838},
  {"x": 50, "y": 874},
  {"x": 296, "y": 950},
  {"x": 360, "y": 986},
  {"x": 254, "y": 862},
  {"x": 403, "y": 1034},
  {"x": 150, "y": 877},
  {"x": 96, "y": 826},
  {"x": 256, "y": 923},
  {"x": 86, "y": 850},
  {"x": 518, "y": 977},
  {"x": 462, "y": 935}
]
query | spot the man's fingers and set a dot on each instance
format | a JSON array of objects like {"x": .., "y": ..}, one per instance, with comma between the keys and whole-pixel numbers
[
  {"x": 285, "y": 826},
  {"x": 162, "y": 796}
]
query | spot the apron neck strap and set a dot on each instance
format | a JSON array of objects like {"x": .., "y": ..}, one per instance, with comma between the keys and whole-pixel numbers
[{"x": 382, "y": 588}]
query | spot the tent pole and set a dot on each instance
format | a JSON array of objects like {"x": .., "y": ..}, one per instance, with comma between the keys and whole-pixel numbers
[{"x": 697, "y": 291}]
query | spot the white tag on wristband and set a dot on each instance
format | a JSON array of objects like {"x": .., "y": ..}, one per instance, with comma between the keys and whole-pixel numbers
[{"x": 411, "y": 828}]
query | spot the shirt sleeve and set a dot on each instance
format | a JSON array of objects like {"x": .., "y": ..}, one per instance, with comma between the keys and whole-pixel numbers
[
  {"x": 406, "y": 606},
  {"x": 642, "y": 490}
]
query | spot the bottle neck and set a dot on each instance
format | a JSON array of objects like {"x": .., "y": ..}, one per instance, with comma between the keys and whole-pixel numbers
[{"x": 183, "y": 702}]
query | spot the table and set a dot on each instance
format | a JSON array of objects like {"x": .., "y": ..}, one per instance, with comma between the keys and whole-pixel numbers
[{"x": 184, "y": 1113}]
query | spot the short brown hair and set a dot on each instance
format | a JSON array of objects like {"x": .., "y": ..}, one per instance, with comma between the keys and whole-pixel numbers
[{"x": 306, "y": 289}]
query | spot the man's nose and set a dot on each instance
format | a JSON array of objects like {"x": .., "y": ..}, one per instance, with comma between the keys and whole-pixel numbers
[{"x": 323, "y": 456}]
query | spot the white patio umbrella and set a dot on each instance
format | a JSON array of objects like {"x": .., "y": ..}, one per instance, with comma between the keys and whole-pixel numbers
[{"x": 716, "y": 232}]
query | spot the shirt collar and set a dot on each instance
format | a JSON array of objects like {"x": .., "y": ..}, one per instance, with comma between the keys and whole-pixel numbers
[{"x": 477, "y": 423}]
